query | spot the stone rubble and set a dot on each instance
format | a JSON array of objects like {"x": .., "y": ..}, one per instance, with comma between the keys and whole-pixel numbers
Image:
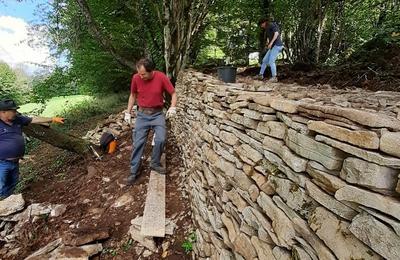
[{"x": 15, "y": 214}]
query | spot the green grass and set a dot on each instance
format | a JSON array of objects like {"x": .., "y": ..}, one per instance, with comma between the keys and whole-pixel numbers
[
  {"x": 54, "y": 106},
  {"x": 86, "y": 110}
]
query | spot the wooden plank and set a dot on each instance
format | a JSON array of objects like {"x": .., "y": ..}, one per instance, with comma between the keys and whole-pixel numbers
[{"x": 153, "y": 224}]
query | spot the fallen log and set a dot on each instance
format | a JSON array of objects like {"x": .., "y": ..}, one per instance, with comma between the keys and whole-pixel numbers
[{"x": 58, "y": 139}]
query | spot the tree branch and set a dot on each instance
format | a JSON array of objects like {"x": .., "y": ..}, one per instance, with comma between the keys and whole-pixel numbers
[{"x": 102, "y": 39}]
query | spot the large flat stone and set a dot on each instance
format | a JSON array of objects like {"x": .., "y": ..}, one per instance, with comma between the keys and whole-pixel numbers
[
  {"x": 264, "y": 250},
  {"x": 267, "y": 118},
  {"x": 278, "y": 147},
  {"x": 241, "y": 120},
  {"x": 264, "y": 224},
  {"x": 308, "y": 148},
  {"x": 370, "y": 199},
  {"x": 236, "y": 199},
  {"x": 337, "y": 237},
  {"x": 84, "y": 236},
  {"x": 11, "y": 204},
  {"x": 281, "y": 224},
  {"x": 364, "y": 139},
  {"x": 228, "y": 138},
  {"x": 302, "y": 228},
  {"x": 256, "y": 115},
  {"x": 361, "y": 153},
  {"x": 281, "y": 253},
  {"x": 279, "y": 164},
  {"x": 74, "y": 253},
  {"x": 376, "y": 235},
  {"x": 384, "y": 218},
  {"x": 330, "y": 183},
  {"x": 293, "y": 195},
  {"x": 371, "y": 119},
  {"x": 369, "y": 175},
  {"x": 124, "y": 200},
  {"x": 287, "y": 120},
  {"x": 390, "y": 143},
  {"x": 285, "y": 105},
  {"x": 262, "y": 109},
  {"x": 244, "y": 247},
  {"x": 245, "y": 138},
  {"x": 300, "y": 253},
  {"x": 214, "y": 159},
  {"x": 237, "y": 105},
  {"x": 241, "y": 180},
  {"x": 248, "y": 154},
  {"x": 45, "y": 250},
  {"x": 272, "y": 128},
  {"x": 153, "y": 223},
  {"x": 330, "y": 202},
  {"x": 263, "y": 99},
  {"x": 231, "y": 227}
]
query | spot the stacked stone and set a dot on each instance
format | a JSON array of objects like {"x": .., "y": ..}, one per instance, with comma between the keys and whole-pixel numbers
[
  {"x": 114, "y": 124},
  {"x": 279, "y": 171}
]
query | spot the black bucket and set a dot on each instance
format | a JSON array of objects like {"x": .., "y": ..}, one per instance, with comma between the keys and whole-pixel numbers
[{"x": 227, "y": 74}]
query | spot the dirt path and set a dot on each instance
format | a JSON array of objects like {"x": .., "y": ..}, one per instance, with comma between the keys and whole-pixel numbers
[{"x": 90, "y": 190}]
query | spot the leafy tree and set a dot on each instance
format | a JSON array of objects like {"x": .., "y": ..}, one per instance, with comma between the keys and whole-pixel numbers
[
  {"x": 7, "y": 82},
  {"x": 59, "y": 83}
]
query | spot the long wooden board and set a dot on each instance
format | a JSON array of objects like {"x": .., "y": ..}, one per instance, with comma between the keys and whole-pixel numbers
[{"x": 153, "y": 224}]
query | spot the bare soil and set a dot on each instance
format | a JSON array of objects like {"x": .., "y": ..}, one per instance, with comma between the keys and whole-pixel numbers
[{"x": 63, "y": 178}]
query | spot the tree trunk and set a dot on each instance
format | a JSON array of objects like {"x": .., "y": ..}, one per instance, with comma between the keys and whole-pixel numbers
[
  {"x": 182, "y": 21},
  {"x": 57, "y": 139}
]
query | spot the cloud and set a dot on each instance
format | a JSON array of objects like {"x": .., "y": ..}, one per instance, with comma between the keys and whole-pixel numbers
[{"x": 16, "y": 46}]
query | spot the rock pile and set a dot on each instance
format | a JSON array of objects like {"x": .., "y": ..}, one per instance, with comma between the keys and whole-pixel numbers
[
  {"x": 279, "y": 171},
  {"x": 14, "y": 214},
  {"x": 114, "y": 124}
]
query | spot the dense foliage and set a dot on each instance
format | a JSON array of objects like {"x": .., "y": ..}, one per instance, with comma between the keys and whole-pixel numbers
[{"x": 101, "y": 40}]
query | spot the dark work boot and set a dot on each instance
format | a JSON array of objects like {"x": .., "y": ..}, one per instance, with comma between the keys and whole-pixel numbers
[
  {"x": 159, "y": 169},
  {"x": 131, "y": 179}
]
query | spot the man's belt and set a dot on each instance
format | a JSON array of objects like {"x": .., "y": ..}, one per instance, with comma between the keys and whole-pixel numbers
[{"x": 150, "y": 110}]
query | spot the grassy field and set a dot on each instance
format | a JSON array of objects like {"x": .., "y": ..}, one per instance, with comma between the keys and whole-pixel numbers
[{"x": 55, "y": 106}]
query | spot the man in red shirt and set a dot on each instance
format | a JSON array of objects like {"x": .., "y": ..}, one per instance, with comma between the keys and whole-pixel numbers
[{"x": 147, "y": 88}]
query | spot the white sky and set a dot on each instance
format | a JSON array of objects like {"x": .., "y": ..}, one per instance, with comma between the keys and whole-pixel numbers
[{"x": 14, "y": 47}]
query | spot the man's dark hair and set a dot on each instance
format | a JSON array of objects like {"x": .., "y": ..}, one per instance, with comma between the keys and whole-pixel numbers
[
  {"x": 147, "y": 64},
  {"x": 267, "y": 19}
]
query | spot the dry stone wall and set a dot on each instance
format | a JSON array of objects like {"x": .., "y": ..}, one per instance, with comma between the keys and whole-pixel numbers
[{"x": 288, "y": 172}]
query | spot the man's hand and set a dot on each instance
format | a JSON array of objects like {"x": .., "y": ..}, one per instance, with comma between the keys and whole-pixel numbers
[
  {"x": 269, "y": 46},
  {"x": 58, "y": 120},
  {"x": 171, "y": 112},
  {"x": 127, "y": 117}
]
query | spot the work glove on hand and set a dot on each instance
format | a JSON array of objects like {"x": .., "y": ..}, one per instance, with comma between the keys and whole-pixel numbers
[
  {"x": 171, "y": 112},
  {"x": 127, "y": 117},
  {"x": 58, "y": 120}
]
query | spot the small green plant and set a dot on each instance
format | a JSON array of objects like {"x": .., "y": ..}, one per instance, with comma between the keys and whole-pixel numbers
[
  {"x": 125, "y": 246},
  {"x": 45, "y": 217},
  {"x": 110, "y": 251},
  {"x": 187, "y": 245},
  {"x": 27, "y": 175}
]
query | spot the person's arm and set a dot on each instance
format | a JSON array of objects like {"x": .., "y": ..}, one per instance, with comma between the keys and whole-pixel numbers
[
  {"x": 276, "y": 34},
  {"x": 44, "y": 120},
  {"x": 132, "y": 96},
  {"x": 174, "y": 99},
  {"x": 131, "y": 102}
]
